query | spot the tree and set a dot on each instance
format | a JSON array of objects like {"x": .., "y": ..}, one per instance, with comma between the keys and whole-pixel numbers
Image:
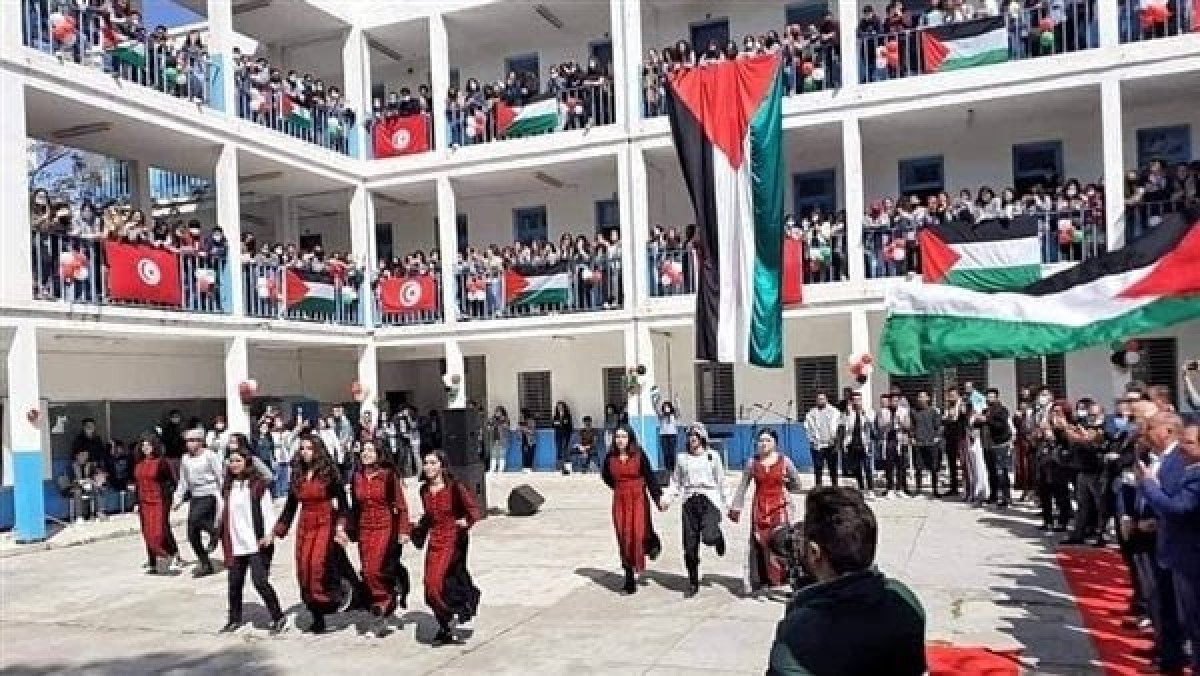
[{"x": 65, "y": 172}]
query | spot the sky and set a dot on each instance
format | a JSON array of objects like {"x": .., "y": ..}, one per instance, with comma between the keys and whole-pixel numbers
[{"x": 167, "y": 13}]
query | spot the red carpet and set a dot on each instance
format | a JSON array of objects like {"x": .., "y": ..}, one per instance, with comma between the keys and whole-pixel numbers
[
  {"x": 947, "y": 660},
  {"x": 1100, "y": 584}
]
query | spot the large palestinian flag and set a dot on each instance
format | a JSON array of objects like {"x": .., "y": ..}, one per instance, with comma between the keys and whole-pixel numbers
[
  {"x": 1150, "y": 284},
  {"x": 726, "y": 120},
  {"x": 311, "y": 293},
  {"x": 540, "y": 116},
  {"x": 537, "y": 284},
  {"x": 989, "y": 255},
  {"x": 955, "y": 46}
]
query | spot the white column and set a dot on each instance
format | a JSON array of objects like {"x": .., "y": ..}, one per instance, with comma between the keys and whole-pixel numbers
[
  {"x": 287, "y": 228},
  {"x": 368, "y": 379},
  {"x": 362, "y": 246},
  {"x": 439, "y": 76},
  {"x": 139, "y": 185},
  {"x": 16, "y": 241},
  {"x": 229, "y": 217},
  {"x": 847, "y": 16},
  {"x": 860, "y": 343},
  {"x": 27, "y": 458},
  {"x": 456, "y": 396},
  {"x": 220, "y": 46},
  {"x": 356, "y": 64},
  {"x": 852, "y": 181},
  {"x": 627, "y": 61},
  {"x": 641, "y": 405},
  {"x": 12, "y": 19},
  {"x": 634, "y": 209},
  {"x": 1112, "y": 140},
  {"x": 237, "y": 371},
  {"x": 447, "y": 213},
  {"x": 1107, "y": 18}
]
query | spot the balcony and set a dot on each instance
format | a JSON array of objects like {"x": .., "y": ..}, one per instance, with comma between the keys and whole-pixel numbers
[
  {"x": 508, "y": 289},
  {"x": 408, "y": 298},
  {"x": 1140, "y": 21},
  {"x": 478, "y": 116},
  {"x": 326, "y": 295},
  {"x": 178, "y": 65},
  {"x": 328, "y": 126}
]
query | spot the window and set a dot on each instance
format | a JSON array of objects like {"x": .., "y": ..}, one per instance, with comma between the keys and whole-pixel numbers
[
  {"x": 529, "y": 224},
  {"x": 975, "y": 373},
  {"x": 534, "y": 395},
  {"x": 936, "y": 383},
  {"x": 614, "y": 387},
  {"x": 379, "y": 92},
  {"x": 1170, "y": 144},
  {"x": 715, "y": 393},
  {"x": 910, "y": 385},
  {"x": 1159, "y": 364},
  {"x": 309, "y": 242},
  {"x": 608, "y": 215},
  {"x": 815, "y": 375},
  {"x": 1039, "y": 163},
  {"x": 522, "y": 64},
  {"x": 922, "y": 176},
  {"x": 703, "y": 31},
  {"x": 1034, "y": 372},
  {"x": 806, "y": 12},
  {"x": 601, "y": 51},
  {"x": 383, "y": 241},
  {"x": 815, "y": 189},
  {"x": 460, "y": 228}
]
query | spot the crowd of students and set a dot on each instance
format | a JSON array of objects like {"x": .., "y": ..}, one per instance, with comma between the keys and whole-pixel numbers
[{"x": 298, "y": 105}]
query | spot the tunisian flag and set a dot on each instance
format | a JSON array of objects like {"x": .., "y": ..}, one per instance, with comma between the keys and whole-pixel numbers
[
  {"x": 143, "y": 274},
  {"x": 395, "y": 136},
  {"x": 400, "y": 295},
  {"x": 793, "y": 271}
]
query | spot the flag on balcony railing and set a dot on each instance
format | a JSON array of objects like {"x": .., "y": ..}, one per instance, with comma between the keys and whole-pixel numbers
[
  {"x": 309, "y": 292},
  {"x": 793, "y": 271},
  {"x": 142, "y": 274},
  {"x": 395, "y": 136},
  {"x": 727, "y": 123},
  {"x": 537, "y": 284},
  {"x": 966, "y": 44},
  {"x": 298, "y": 115},
  {"x": 403, "y": 295},
  {"x": 1150, "y": 284},
  {"x": 990, "y": 255},
  {"x": 542, "y": 115},
  {"x": 130, "y": 52}
]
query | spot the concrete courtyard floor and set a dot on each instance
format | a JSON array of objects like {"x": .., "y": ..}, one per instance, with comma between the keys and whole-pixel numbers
[{"x": 986, "y": 578}]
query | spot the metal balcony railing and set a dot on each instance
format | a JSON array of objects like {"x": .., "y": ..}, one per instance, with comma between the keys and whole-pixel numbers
[
  {"x": 171, "y": 186},
  {"x": 282, "y": 292},
  {"x": 475, "y": 121},
  {"x": 534, "y": 290},
  {"x": 317, "y": 125},
  {"x": 408, "y": 306},
  {"x": 1139, "y": 20}
]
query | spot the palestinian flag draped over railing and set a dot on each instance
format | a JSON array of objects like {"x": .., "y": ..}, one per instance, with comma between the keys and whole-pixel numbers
[
  {"x": 1152, "y": 283},
  {"x": 541, "y": 115},
  {"x": 988, "y": 255},
  {"x": 965, "y": 44},
  {"x": 727, "y": 123},
  {"x": 537, "y": 284},
  {"x": 309, "y": 292}
]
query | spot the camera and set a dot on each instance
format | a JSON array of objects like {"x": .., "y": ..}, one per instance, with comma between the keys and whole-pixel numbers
[{"x": 787, "y": 542}]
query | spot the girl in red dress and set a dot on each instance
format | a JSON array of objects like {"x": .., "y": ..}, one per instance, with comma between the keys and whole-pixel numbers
[
  {"x": 379, "y": 522},
  {"x": 627, "y": 472},
  {"x": 321, "y": 563},
  {"x": 774, "y": 476},
  {"x": 155, "y": 484},
  {"x": 450, "y": 509}
]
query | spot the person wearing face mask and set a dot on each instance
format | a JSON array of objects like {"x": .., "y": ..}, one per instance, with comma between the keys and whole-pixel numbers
[
  {"x": 217, "y": 438},
  {"x": 853, "y": 621},
  {"x": 1086, "y": 437}
]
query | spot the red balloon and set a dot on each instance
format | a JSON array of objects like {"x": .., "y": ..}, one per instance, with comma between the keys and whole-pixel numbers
[
  {"x": 1046, "y": 25},
  {"x": 893, "y": 47},
  {"x": 1131, "y": 346}
]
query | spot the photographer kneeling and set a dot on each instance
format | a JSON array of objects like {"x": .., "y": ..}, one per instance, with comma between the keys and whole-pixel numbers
[{"x": 851, "y": 620}]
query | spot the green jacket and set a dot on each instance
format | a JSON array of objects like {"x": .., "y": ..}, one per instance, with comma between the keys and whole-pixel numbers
[{"x": 859, "y": 624}]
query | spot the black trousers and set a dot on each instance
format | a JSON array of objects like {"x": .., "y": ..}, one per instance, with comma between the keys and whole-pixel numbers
[
  {"x": 202, "y": 518},
  {"x": 259, "y": 564},
  {"x": 562, "y": 447},
  {"x": 856, "y": 466},
  {"x": 895, "y": 465},
  {"x": 927, "y": 461},
  {"x": 701, "y": 523},
  {"x": 823, "y": 457},
  {"x": 527, "y": 455},
  {"x": 668, "y": 443},
  {"x": 993, "y": 475},
  {"x": 1053, "y": 494},
  {"x": 950, "y": 449},
  {"x": 1089, "y": 496}
]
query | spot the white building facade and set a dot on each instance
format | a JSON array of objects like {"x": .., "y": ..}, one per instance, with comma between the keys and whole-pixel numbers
[{"x": 1103, "y": 98}]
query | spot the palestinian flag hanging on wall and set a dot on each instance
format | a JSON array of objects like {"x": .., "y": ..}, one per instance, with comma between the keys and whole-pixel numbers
[
  {"x": 537, "y": 284},
  {"x": 1152, "y": 283},
  {"x": 312, "y": 293},
  {"x": 955, "y": 46},
  {"x": 540, "y": 116},
  {"x": 727, "y": 123},
  {"x": 989, "y": 255}
]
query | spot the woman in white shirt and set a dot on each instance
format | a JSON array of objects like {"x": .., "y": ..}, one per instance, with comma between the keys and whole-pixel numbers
[
  {"x": 668, "y": 434},
  {"x": 247, "y": 522},
  {"x": 699, "y": 482}
]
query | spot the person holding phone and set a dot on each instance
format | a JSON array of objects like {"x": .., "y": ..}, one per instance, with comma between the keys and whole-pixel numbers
[{"x": 1191, "y": 389}]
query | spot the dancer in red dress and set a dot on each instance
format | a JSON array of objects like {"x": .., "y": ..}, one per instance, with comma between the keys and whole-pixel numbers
[
  {"x": 379, "y": 522},
  {"x": 773, "y": 475},
  {"x": 321, "y": 563},
  {"x": 155, "y": 484},
  {"x": 450, "y": 510},
  {"x": 627, "y": 472}
]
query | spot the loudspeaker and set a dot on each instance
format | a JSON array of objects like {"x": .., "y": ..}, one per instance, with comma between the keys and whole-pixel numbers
[
  {"x": 524, "y": 501},
  {"x": 474, "y": 479},
  {"x": 460, "y": 437}
]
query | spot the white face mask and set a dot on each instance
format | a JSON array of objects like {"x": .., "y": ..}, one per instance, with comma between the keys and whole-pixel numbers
[{"x": 1043, "y": 399}]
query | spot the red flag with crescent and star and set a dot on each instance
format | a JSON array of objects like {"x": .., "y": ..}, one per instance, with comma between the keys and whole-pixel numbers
[{"x": 143, "y": 274}]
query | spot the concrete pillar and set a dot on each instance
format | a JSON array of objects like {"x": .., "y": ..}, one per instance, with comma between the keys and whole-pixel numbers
[
  {"x": 287, "y": 228},
  {"x": 1112, "y": 141},
  {"x": 1108, "y": 21},
  {"x": 626, "y": 34},
  {"x": 222, "y": 90},
  {"x": 26, "y": 419},
  {"x": 456, "y": 393},
  {"x": 634, "y": 210},
  {"x": 12, "y": 20},
  {"x": 447, "y": 214},
  {"x": 847, "y": 16},
  {"x": 368, "y": 379},
  {"x": 229, "y": 217},
  {"x": 356, "y": 64},
  {"x": 852, "y": 180},
  {"x": 16, "y": 241},
  {"x": 362, "y": 246},
  {"x": 142, "y": 194},
  {"x": 237, "y": 371},
  {"x": 439, "y": 76},
  {"x": 641, "y": 406},
  {"x": 860, "y": 343}
]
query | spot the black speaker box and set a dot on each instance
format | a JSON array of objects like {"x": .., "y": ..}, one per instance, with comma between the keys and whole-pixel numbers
[
  {"x": 474, "y": 479},
  {"x": 524, "y": 501},
  {"x": 461, "y": 437}
]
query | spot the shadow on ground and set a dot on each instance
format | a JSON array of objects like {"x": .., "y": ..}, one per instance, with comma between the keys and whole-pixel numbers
[
  {"x": 614, "y": 581},
  {"x": 228, "y": 660}
]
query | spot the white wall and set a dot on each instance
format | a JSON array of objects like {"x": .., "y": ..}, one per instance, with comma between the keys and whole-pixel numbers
[
  {"x": 421, "y": 377},
  {"x": 129, "y": 375},
  {"x": 664, "y": 23},
  {"x": 570, "y": 209},
  {"x": 485, "y": 62},
  {"x": 412, "y": 226},
  {"x": 315, "y": 373}
]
